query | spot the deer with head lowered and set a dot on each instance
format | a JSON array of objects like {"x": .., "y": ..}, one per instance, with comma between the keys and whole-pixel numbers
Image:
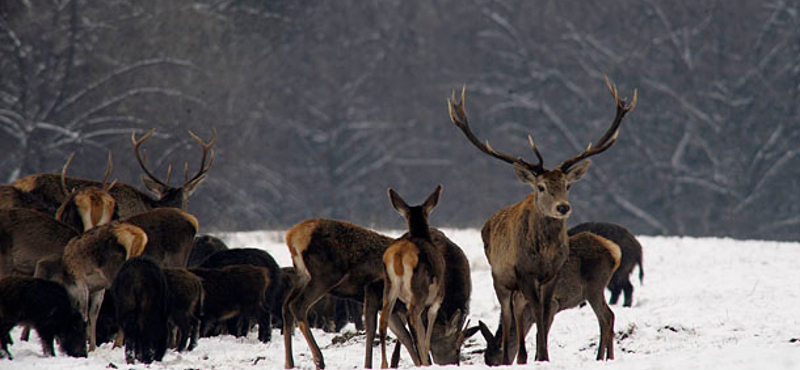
[
  {"x": 414, "y": 269},
  {"x": 526, "y": 243},
  {"x": 130, "y": 200}
]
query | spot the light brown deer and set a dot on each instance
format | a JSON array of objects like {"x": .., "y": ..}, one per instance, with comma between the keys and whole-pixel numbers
[
  {"x": 130, "y": 200},
  {"x": 414, "y": 270},
  {"x": 591, "y": 264},
  {"x": 526, "y": 243}
]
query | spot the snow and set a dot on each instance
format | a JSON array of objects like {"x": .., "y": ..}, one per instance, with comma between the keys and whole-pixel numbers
[{"x": 705, "y": 304}]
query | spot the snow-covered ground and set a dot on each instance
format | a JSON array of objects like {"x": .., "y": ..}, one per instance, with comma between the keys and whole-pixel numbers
[{"x": 705, "y": 304}]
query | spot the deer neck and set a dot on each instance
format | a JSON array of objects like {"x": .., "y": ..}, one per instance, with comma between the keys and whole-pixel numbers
[
  {"x": 547, "y": 236},
  {"x": 418, "y": 229}
]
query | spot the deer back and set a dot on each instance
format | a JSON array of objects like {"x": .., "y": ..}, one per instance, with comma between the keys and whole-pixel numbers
[
  {"x": 27, "y": 236},
  {"x": 170, "y": 233},
  {"x": 330, "y": 247}
]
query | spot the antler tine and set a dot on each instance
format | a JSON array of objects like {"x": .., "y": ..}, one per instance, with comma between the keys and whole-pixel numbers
[
  {"x": 64, "y": 187},
  {"x": 143, "y": 162},
  {"x": 539, "y": 165},
  {"x": 610, "y": 136},
  {"x": 109, "y": 166},
  {"x": 207, "y": 148},
  {"x": 458, "y": 115}
]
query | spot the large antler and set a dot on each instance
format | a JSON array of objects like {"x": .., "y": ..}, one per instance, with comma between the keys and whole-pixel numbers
[
  {"x": 143, "y": 158},
  {"x": 203, "y": 166},
  {"x": 610, "y": 136},
  {"x": 458, "y": 115}
]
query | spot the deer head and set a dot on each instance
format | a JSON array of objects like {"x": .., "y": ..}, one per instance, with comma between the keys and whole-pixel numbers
[
  {"x": 550, "y": 185},
  {"x": 175, "y": 196}
]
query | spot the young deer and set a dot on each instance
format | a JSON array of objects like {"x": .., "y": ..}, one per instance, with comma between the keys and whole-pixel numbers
[
  {"x": 414, "y": 269},
  {"x": 130, "y": 200},
  {"x": 591, "y": 263},
  {"x": 526, "y": 243}
]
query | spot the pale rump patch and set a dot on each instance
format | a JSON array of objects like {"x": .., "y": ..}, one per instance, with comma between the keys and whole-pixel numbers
[
  {"x": 193, "y": 220},
  {"x": 297, "y": 240},
  {"x": 299, "y": 236},
  {"x": 613, "y": 249},
  {"x": 95, "y": 206},
  {"x": 133, "y": 238},
  {"x": 399, "y": 258},
  {"x": 26, "y": 184}
]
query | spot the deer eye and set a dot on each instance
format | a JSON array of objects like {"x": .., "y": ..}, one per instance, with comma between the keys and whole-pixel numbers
[{"x": 540, "y": 188}]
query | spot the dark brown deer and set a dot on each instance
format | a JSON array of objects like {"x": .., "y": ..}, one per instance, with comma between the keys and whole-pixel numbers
[
  {"x": 91, "y": 262},
  {"x": 170, "y": 234},
  {"x": 27, "y": 235},
  {"x": 130, "y": 200},
  {"x": 631, "y": 257},
  {"x": 414, "y": 269},
  {"x": 338, "y": 258},
  {"x": 591, "y": 263},
  {"x": 526, "y": 243}
]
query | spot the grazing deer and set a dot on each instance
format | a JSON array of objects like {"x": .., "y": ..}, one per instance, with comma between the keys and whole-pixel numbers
[
  {"x": 526, "y": 243},
  {"x": 130, "y": 200},
  {"x": 338, "y": 258},
  {"x": 591, "y": 263},
  {"x": 414, "y": 269}
]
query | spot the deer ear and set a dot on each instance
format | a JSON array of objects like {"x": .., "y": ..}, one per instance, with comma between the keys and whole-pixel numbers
[
  {"x": 487, "y": 334},
  {"x": 577, "y": 171},
  {"x": 432, "y": 200},
  {"x": 153, "y": 186},
  {"x": 398, "y": 203},
  {"x": 524, "y": 174},
  {"x": 469, "y": 332}
]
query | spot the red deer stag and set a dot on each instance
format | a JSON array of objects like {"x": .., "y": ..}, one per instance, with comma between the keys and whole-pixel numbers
[
  {"x": 591, "y": 263},
  {"x": 130, "y": 200},
  {"x": 414, "y": 269},
  {"x": 526, "y": 243}
]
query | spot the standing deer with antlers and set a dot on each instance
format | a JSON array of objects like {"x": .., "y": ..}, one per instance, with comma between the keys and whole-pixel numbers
[
  {"x": 526, "y": 243},
  {"x": 47, "y": 187}
]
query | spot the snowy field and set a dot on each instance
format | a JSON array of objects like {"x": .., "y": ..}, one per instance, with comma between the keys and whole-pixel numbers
[{"x": 705, "y": 304}]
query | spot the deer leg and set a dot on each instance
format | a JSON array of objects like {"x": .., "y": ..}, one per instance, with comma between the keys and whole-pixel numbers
[
  {"x": 627, "y": 288},
  {"x": 615, "y": 289},
  {"x": 415, "y": 314},
  {"x": 390, "y": 294},
  {"x": 299, "y": 306},
  {"x": 372, "y": 302},
  {"x": 26, "y": 333},
  {"x": 398, "y": 325},
  {"x": 544, "y": 320},
  {"x": 288, "y": 328},
  {"x": 96, "y": 301},
  {"x": 518, "y": 305},
  {"x": 506, "y": 317},
  {"x": 605, "y": 318},
  {"x": 433, "y": 310}
]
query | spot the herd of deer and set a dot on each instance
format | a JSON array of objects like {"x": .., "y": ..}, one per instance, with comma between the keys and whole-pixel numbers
[{"x": 538, "y": 269}]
